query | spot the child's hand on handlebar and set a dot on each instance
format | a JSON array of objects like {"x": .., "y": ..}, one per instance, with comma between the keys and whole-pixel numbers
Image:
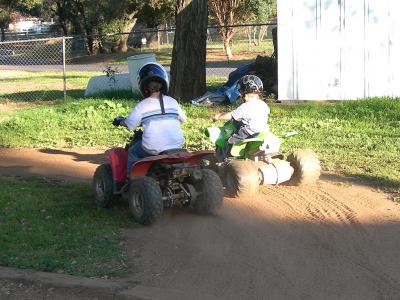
[
  {"x": 117, "y": 121},
  {"x": 215, "y": 118}
]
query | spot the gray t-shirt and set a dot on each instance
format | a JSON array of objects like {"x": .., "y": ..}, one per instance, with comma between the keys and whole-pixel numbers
[{"x": 254, "y": 115}]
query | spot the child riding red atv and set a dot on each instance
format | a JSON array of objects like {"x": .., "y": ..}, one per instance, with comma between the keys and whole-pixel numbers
[{"x": 154, "y": 171}]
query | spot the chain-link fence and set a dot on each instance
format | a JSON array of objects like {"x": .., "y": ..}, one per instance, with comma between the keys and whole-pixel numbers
[
  {"x": 32, "y": 69},
  {"x": 50, "y": 69}
]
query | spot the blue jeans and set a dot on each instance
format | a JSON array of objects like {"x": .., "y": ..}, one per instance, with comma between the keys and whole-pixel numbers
[{"x": 135, "y": 153}]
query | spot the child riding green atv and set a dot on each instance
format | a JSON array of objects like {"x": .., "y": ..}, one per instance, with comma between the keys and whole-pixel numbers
[{"x": 248, "y": 154}]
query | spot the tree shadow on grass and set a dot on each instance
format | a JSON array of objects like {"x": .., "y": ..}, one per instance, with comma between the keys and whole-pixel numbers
[
  {"x": 56, "y": 95},
  {"x": 39, "y": 95},
  {"x": 57, "y": 76}
]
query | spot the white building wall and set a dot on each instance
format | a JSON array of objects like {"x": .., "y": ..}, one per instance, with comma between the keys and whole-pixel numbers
[{"x": 338, "y": 49}]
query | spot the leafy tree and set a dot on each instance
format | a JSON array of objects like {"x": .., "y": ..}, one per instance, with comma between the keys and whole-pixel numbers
[
  {"x": 62, "y": 10},
  {"x": 9, "y": 9},
  {"x": 5, "y": 18},
  {"x": 188, "y": 67},
  {"x": 155, "y": 14},
  {"x": 129, "y": 10},
  {"x": 263, "y": 10},
  {"x": 90, "y": 18},
  {"x": 233, "y": 12}
]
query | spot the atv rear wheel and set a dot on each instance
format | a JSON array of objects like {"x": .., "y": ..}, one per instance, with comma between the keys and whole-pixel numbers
[
  {"x": 103, "y": 185},
  {"x": 210, "y": 162},
  {"x": 145, "y": 200},
  {"x": 242, "y": 178},
  {"x": 307, "y": 168},
  {"x": 211, "y": 193}
]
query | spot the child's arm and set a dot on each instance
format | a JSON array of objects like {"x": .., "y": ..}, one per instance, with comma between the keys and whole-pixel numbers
[
  {"x": 222, "y": 116},
  {"x": 181, "y": 115}
]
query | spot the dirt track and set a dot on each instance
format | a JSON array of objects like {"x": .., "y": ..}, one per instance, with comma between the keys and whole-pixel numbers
[{"x": 338, "y": 240}]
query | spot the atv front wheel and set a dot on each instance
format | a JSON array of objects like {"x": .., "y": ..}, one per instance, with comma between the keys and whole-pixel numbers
[
  {"x": 242, "y": 178},
  {"x": 103, "y": 185},
  {"x": 211, "y": 193},
  {"x": 145, "y": 200},
  {"x": 306, "y": 166}
]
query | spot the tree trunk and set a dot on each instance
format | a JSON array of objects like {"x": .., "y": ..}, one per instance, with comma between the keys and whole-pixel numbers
[
  {"x": 3, "y": 34},
  {"x": 227, "y": 47},
  {"x": 152, "y": 39},
  {"x": 262, "y": 33},
  {"x": 227, "y": 35},
  {"x": 64, "y": 28},
  {"x": 188, "y": 67},
  {"x": 275, "y": 42},
  {"x": 123, "y": 42},
  {"x": 248, "y": 31},
  {"x": 89, "y": 31},
  {"x": 256, "y": 42},
  {"x": 62, "y": 18}
]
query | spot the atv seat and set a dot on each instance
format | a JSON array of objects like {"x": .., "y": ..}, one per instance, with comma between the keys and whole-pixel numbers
[{"x": 172, "y": 151}]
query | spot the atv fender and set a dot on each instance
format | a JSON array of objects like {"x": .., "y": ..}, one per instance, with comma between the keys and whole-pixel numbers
[
  {"x": 266, "y": 141},
  {"x": 118, "y": 158},
  {"x": 142, "y": 167}
]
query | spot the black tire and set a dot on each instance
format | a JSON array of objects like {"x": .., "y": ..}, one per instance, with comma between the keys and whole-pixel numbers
[
  {"x": 242, "y": 178},
  {"x": 145, "y": 200},
  {"x": 211, "y": 193},
  {"x": 103, "y": 185},
  {"x": 307, "y": 168}
]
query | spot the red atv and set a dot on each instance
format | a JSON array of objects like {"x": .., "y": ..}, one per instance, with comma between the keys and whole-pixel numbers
[{"x": 174, "y": 177}]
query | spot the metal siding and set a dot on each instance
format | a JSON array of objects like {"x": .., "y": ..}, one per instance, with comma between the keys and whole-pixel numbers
[
  {"x": 352, "y": 50},
  {"x": 394, "y": 48},
  {"x": 338, "y": 49},
  {"x": 377, "y": 50},
  {"x": 286, "y": 51}
]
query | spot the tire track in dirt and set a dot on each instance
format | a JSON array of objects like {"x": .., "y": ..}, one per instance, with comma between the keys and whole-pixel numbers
[
  {"x": 324, "y": 208},
  {"x": 256, "y": 207}
]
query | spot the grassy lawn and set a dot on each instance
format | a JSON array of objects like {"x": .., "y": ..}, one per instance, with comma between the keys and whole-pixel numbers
[
  {"x": 46, "y": 86},
  {"x": 22, "y": 86},
  {"x": 48, "y": 226}
]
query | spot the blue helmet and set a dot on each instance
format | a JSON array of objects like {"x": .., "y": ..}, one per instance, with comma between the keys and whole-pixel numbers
[{"x": 152, "y": 72}]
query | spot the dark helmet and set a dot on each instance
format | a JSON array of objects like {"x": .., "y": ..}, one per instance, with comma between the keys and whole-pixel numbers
[
  {"x": 249, "y": 84},
  {"x": 152, "y": 72}
]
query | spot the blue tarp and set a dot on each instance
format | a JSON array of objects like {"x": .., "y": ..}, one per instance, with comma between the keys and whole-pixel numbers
[
  {"x": 239, "y": 73},
  {"x": 229, "y": 92}
]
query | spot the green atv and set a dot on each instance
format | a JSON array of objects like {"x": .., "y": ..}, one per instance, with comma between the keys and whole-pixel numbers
[{"x": 248, "y": 163}]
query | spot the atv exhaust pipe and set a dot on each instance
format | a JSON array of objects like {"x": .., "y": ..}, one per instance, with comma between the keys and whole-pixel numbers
[{"x": 275, "y": 172}]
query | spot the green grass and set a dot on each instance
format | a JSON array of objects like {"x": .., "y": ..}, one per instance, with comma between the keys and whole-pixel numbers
[
  {"x": 48, "y": 226},
  {"x": 20, "y": 86},
  {"x": 356, "y": 137}
]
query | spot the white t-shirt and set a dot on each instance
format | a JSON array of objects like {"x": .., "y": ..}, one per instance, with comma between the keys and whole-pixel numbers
[
  {"x": 254, "y": 115},
  {"x": 160, "y": 132}
]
